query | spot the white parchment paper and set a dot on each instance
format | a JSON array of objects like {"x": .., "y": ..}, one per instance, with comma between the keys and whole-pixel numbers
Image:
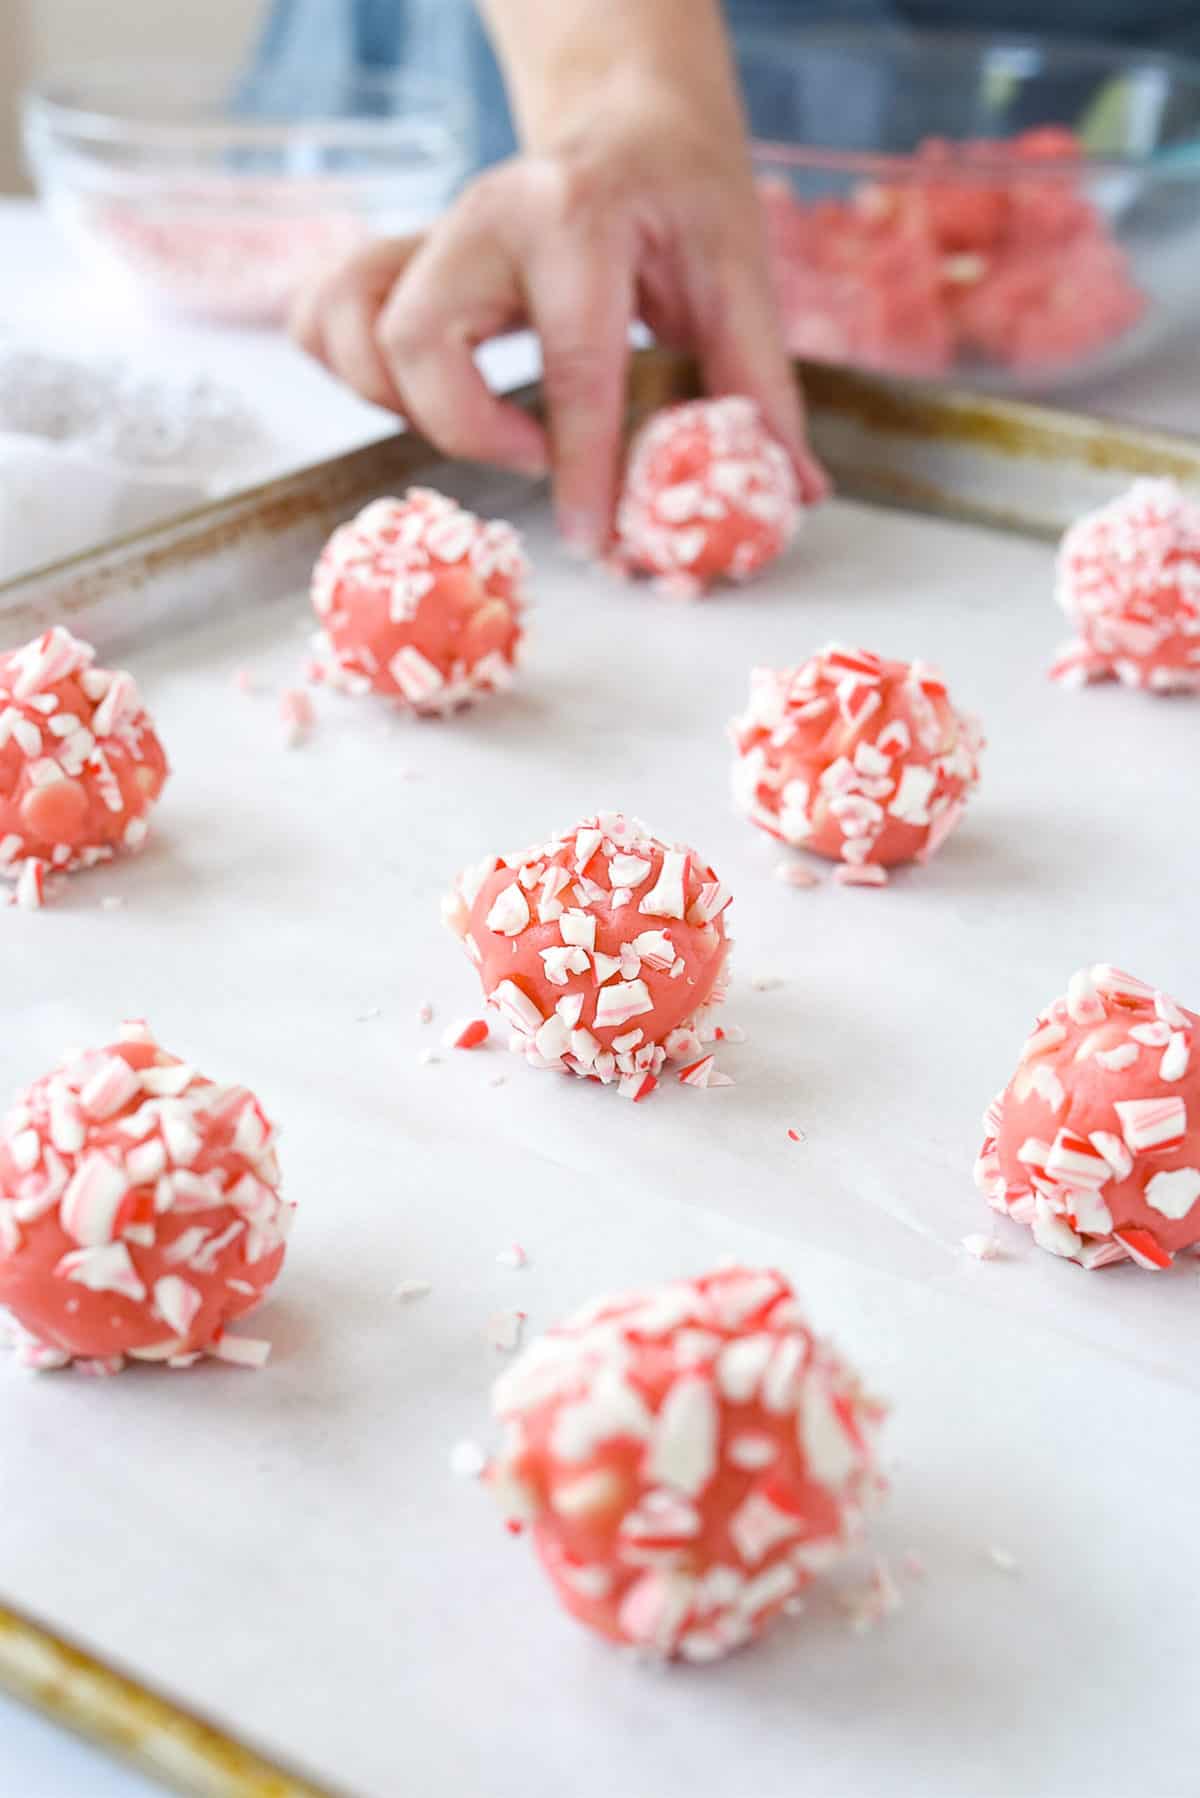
[{"x": 290, "y": 1550}]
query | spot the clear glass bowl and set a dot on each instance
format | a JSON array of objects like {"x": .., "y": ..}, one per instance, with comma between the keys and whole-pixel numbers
[
  {"x": 200, "y": 189},
  {"x": 1006, "y": 253}
]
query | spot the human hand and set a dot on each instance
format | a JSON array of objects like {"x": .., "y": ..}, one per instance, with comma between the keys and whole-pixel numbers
[{"x": 639, "y": 208}]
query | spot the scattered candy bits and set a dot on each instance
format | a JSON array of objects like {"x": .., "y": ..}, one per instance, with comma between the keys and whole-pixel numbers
[
  {"x": 989, "y": 253},
  {"x": 420, "y": 601},
  {"x": 688, "y": 1458},
  {"x": 709, "y": 495},
  {"x": 80, "y": 764},
  {"x": 603, "y": 950},
  {"x": 1129, "y": 579},
  {"x": 140, "y": 1211},
  {"x": 1095, "y": 1141},
  {"x": 855, "y": 758},
  {"x": 471, "y": 1033}
]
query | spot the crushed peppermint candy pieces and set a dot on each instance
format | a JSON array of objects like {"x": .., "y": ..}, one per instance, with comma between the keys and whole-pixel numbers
[
  {"x": 80, "y": 764},
  {"x": 1095, "y": 1141},
  {"x": 1129, "y": 580},
  {"x": 420, "y": 601},
  {"x": 708, "y": 495},
  {"x": 603, "y": 950},
  {"x": 855, "y": 758},
  {"x": 688, "y": 1459},
  {"x": 140, "y": 1211},
  {"x": 469, "y": 1033}
]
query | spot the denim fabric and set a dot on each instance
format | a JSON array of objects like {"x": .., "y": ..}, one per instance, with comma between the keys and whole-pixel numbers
[{"x": 308, "y": 46}]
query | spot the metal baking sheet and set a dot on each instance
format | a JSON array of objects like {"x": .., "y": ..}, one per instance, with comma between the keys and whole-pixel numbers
[
  {"x": 960, "y": 456},
  {"x": 285, "y": 1560}
]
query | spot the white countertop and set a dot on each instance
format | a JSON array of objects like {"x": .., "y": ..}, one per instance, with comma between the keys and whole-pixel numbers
[{"x": 51, "y": 303}]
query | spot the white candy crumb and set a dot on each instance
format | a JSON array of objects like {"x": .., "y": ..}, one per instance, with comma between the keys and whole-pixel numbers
[
  {"x": 878, "y": 1599},
  {"x": 504, "y": 1330},
  {"x": 111, "y": 902},
  {"x": 427, "y": 1057},
  {"x": 984, "y": 1248},
  {"x": 413, "y": 1289},
  {"x": 1001, "y": 1558},
  {"x": 795, "y": 874},
  {"x": 372, "y": 1011},
  {"x": 765, "y": 983},
  {"x": 513, "y": 1256},
  {"x": 467, "y": 1460},
  {"x": 497, "y": 1079}
]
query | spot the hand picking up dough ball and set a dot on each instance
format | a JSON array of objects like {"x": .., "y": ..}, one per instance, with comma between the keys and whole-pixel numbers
[
  {"x": 80, "y": 764},
  {"x": 709, "y": 495},
  {"x": 602, "y": 948},
  {"x": 1095, "y": 1141},
  {"x": 420, "y": 601},
  {"x": 687, "y": 1459},
  {"x": 140, "y": 1211},
  {"x": 855, "y": 758},
  {"x": 1129, "y": 579}
]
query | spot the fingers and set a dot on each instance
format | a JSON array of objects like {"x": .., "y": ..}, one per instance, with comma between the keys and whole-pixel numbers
[
  {"x": 463, "y": 287},
  {"x": 581, "y": 296},
  {"x": 335, "y": 320},
  {"x": 741, "y": 351}
]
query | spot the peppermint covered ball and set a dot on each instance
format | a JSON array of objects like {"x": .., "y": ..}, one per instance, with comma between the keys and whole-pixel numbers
[
  {"x": 421, "y": 601},
  {"x": 709, "y": 495},
  {"x": 1129, "y": 579},
  {"x": 687, "y": 1458},
  {"x": 140, "y": 1211},
  {"x": 80, "y": 763},
  {"x": 1095, "y": 1141},
  {"x": 603, "y": 949},
  {"x": 859, "y": 759}
]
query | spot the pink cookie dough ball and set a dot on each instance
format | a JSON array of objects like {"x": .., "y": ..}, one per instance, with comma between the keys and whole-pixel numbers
[
  {"x": 421, "y": 601},
  {"x": 686, "y": 1459},
  {"x": 1095, "y": 1141},
  {"x": 140, "y": 1211},
  {"x": 603, "y": 949},
  {"x": 80, "y": 763},
  {"x": 859, "y": 759},
  {"x": 1129, "y": 579},
  {"x": 709, "y": 495}
]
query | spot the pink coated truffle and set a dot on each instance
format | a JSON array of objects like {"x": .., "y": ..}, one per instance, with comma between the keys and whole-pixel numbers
[
  {"x": 1129, "y": 579},
  {"x": 80, "y": 763},
  {"x": 603, "y": 949},
  {"x": 140, "y": 1211},
  {"x": 859, "y": 759},
  {"x": 687, "y": 1459},
  {"x": 709, "y": 495},
  {"x": 1095, "y": 1141},
  {"x": 421, "y": 601}
]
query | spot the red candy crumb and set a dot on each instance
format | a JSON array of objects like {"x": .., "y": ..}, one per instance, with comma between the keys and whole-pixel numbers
[
  {"x": 139, "y": 1210},
  {"x": 469, "y": 1035},
  {"x": 421, "y": 601},
  {"x": 1129, "y": 579},
  {"x": 709, "y": 495},
  {"x": 687, "y": 1458},
  {"x": 1095, "y": 1141},
  {"x": 603, "y": 949},
  {"x": 855, "y": 758},
  {"x": 80, "y": 763}
]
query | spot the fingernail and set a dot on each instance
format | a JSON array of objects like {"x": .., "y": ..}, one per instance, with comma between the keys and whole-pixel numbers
[{"x": 579, "y": 534}]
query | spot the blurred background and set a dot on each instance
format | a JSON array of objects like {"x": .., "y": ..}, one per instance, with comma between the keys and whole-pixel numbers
[
  {"x": 36, "y": 35},
  {"x": 1013, "y": 213}
]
